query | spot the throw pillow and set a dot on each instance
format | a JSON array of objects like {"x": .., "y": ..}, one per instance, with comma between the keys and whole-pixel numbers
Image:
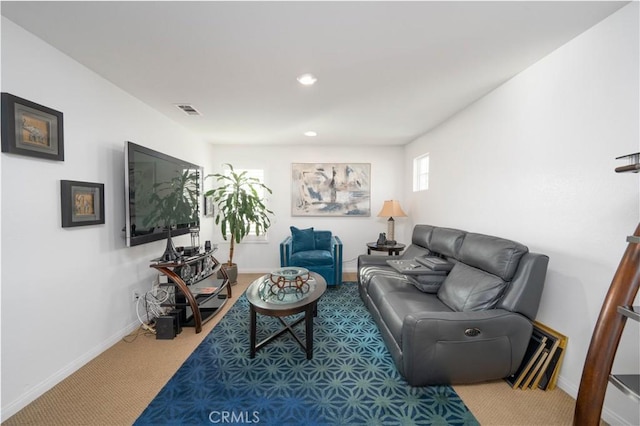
[
  {"x": 302, "y": 239},
  {"x": 323, "y": 240},
  {"x": 469, "y": 289}
]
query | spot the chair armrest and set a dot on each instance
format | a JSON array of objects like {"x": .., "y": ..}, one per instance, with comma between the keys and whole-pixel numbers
[
  {"x": 285, "y": 251},
  {"x": 336, "y": 244}
]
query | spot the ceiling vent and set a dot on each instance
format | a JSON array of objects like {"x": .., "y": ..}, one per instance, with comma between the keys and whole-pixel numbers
[{"x": 188, "y": 109}]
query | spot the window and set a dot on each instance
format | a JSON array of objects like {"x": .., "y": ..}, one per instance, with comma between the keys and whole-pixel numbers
[
  {"x": 258, "y": 174},
  {"x": 421, "y": 173}
]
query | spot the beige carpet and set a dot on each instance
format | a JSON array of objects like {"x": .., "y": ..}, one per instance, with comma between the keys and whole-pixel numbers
[
  {"x": 115, "y": 387},
  {"x": 496, "y": 403}
]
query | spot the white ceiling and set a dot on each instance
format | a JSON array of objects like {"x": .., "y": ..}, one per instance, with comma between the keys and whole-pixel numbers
[{"x": 387, "y": 71}]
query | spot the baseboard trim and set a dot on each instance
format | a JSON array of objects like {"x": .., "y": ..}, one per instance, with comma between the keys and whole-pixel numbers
[
  {"x": 608, "y": 415},
  {"x": 39, "y": 389}
]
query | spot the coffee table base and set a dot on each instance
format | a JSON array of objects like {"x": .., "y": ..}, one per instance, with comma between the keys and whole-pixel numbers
[
  {"x": 309, "y": 313},
  {"x": 308, "y": 305}
]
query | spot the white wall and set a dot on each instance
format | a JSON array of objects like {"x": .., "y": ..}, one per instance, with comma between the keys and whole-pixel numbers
[
  {"x": 534, "y": 161},
  {"x": 66, "y": 293},
  {"x": 355, "y": 232}
]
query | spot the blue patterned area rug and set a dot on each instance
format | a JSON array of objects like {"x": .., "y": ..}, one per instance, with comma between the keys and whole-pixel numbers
[{"x": 351, "y": 379}]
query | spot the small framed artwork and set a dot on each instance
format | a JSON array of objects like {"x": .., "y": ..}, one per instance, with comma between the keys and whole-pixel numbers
[
  {"x": 31, "y": 129},
  {"x": 82, "y": 203}
]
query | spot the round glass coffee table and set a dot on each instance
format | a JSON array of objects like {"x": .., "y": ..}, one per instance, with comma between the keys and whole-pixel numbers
[{"x": 274, "y": 296}]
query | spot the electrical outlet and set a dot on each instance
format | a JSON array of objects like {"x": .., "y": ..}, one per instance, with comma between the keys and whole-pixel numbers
[{"x": 136, "y": 295}]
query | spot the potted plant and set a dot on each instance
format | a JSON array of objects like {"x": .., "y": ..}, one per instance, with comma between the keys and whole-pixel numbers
[
  {"x": 173, "y": 202},
  {"x": 239, "y": 206}
]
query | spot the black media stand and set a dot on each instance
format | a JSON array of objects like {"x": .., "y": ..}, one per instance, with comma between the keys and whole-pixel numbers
[{"x": 199, "y": 291}]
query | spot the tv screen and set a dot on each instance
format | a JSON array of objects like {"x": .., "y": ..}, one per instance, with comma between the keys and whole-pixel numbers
[{"x": 162, "y": 192}]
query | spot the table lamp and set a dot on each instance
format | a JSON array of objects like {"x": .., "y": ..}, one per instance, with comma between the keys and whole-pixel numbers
[{"x": 390, "y": 209}]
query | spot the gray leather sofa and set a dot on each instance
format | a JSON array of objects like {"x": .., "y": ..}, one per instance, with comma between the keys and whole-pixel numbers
[{"x": 470, "y": 324}]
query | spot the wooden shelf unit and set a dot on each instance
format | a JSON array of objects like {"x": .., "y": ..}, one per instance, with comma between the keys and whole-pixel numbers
[
  {"x": 616, "y": 309},
  {"x": 629, "y": 384}
]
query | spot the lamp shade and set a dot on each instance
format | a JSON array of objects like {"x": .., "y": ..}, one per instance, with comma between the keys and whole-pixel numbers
[{"x": 391, "y": 208}]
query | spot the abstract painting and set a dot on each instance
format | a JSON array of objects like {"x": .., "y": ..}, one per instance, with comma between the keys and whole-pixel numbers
[{"x": 331, "y": 189}]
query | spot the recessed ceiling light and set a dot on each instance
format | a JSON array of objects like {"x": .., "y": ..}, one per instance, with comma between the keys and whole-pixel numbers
[
  {"x": 307, "y": 79},
  {"x": 310, "y": 133}
]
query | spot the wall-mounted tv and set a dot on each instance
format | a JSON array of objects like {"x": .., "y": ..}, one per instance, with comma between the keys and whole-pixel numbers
[{"x": 161, "y": 191}]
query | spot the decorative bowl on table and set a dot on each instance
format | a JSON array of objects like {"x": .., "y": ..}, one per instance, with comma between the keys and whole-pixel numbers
[{"x": 286, "y": 285}]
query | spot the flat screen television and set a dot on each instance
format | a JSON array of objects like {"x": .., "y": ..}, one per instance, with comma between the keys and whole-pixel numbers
[{"x": 161, "y": 191}]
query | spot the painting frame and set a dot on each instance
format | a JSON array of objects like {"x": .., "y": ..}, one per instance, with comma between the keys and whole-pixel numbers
[
  {"x": 82, "y": 203},
  {"x": 31, "y": 129},
  {"x": 331, "y": 189}
]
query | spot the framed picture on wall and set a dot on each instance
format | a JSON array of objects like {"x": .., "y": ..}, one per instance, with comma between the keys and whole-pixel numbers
[
  {"x": 82, "y": 203},
  {"x": 331, "y": 189},
  {"x": 31, "y": 129}
]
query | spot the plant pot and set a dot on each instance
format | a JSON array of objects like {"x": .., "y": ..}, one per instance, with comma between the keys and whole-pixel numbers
[{"x": 232, "y": 273}]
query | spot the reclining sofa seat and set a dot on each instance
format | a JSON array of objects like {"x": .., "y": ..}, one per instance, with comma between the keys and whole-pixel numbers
[{"x": 474, "y": 324}]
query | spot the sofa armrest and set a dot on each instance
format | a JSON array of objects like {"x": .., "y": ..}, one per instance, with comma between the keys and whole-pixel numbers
[
  {"x": 457, "y": 347},
  {"x": 525, "y": 291},
  {"x": 373, "y": 260},
  {"x": 369, "y": 264}
]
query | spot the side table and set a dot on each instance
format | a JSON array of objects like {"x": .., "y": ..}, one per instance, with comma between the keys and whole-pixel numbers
[{"x": 394, "y": 249}]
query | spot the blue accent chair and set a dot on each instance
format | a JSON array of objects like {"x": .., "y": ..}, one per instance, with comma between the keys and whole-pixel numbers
[{"x": 318, "y": 251}]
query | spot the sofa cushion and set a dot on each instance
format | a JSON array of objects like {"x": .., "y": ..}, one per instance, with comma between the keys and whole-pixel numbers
[
  {"x": 492, "y": 254},
  {"x": 302, "y": 239},
  {"x": 395, "y": 298},
  {"x": 446, "y": 241},
  {"x": 311, "y": 258},
  {"x": 470, "y": 289},
  {"x": 422, "y": 235},
  {"x": 427, "y": 283},
  {"x": 323, "y": 240}
]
